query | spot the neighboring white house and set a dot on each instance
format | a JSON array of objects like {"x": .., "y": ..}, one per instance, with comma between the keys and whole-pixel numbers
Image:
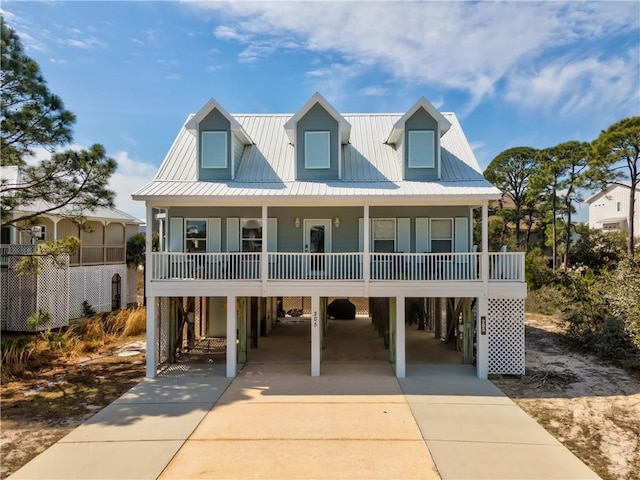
[
  {"x": 319, "y": 204},
  {"x": 97, "y": 273},
  {"x": 609, "y": 209}
]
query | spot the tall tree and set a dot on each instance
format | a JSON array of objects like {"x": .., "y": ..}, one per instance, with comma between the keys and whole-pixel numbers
[
  {"x": 614, "y": 160},
  {"x": 510, "y": 171},
  {"x": 68, "y": 182},
  {"x": 563, "y": 170}
]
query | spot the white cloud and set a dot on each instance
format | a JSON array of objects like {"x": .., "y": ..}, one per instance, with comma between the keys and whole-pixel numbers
[
  {"x": 173, "y": 76},
  {"x": 374, "y": 91},
  {"x": 85, "y": 43},
  {"x": 58, "y": 60},
  {"x": 573, "y": 87},
  {"x": 463, "y": 46}
]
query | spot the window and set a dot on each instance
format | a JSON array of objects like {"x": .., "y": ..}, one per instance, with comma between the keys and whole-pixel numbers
[
  {"x": 196, "y": 236},
  {"x": 617, "y": 206},
  {"x": 384, "y": 235},
  {"x": 421, "y": 149},
  {"x": 316, "y": 150},
  {"x": 441, "y": 235},
  {"x": 213, "y": 149},
  {"x": 251, "y": 234}
]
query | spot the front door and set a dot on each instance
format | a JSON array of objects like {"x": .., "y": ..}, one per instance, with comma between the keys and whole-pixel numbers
[{"x": 317, "y": 239}]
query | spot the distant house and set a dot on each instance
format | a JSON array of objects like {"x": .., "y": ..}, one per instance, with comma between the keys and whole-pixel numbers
[
  {"x": 609, "y": 209},
  {"x": 319, "y": 204},
  {"x": 97, "y": 273}
]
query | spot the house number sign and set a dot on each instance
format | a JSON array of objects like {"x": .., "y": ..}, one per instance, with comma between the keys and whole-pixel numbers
[{"x": 315, "y": 319}]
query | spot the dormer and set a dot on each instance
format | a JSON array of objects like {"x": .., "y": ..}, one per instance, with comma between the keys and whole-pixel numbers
[
  {"x": 417, "y": 137},
  {"x": 220, "y": 140},
  {"x": 317, "y": 131}
]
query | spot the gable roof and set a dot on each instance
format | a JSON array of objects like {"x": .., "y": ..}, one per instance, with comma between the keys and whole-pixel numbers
[
  {"x": 398, "y": 127},
  {"x": 606, "y": 190},
  {"x": 371, "y": 167},
  {"x": 343, "y": 125},
  {"x": 211, "y": 105}
]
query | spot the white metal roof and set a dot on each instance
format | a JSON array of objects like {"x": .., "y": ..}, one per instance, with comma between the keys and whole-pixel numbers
[{"x": 371, "y": 167}]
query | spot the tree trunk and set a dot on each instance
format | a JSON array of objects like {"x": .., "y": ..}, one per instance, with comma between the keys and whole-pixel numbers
[
  {"x": 632, "y": 213},
  {"x": 553, "y": 229}
]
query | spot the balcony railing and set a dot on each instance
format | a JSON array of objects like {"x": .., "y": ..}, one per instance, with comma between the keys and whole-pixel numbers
[
  {"x": 336, "y": 266},
  {"x": 98, "y": 255}
]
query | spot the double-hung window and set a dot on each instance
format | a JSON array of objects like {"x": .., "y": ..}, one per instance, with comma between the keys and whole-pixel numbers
[
  {"x": 384, "y": 235},
  {"x": 421, "y": 149},
  {"x": 213, "y": 149},
  {"x": 196, "y": 235},
  {"x": 251, "y": 234},
  {"x": 441, "y": 235},
  {"x": 316, "y": 150}
]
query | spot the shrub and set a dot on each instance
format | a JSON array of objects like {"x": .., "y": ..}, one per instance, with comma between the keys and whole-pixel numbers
[
  {"x": 87, "y": 309},
  {"x": 546, "y": 300},
  {"x": 39, "y": 319},
  {"x": 537, "y": 273}
]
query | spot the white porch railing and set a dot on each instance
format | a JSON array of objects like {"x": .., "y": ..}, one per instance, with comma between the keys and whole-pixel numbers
[
  {"x": 425, "y": 266},
  {"x": 205, "y": 266},
  {"x": 337, "y": 266},
  {"x": 506, "y": 266},
  {"x": 315, "y": 266}
]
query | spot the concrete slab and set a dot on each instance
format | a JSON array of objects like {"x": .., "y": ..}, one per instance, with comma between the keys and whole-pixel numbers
[
  {"x": 479, "y": 423},
  {"x": 100, "y": 460},
  {"x": 477, "y": 460},
  {"x": 169, "y": 389},
  {"x": 161, "y": 421},
  {"x": 337, "y": 383},
  {"x": 302, "y": 459},
  {"x": 309, "y": 421}
]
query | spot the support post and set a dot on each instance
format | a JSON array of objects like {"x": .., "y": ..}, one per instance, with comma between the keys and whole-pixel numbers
[
  {"x": 366, "y": 257},
  {"x": 400, "y": 337},
  {"x": 315, "y": 336},
  {"x": 231, "y": 336},
  {"x": 483, "y": 337},
  {"x": 264, "y": 258},
  {"x": 152, "y": 338}
]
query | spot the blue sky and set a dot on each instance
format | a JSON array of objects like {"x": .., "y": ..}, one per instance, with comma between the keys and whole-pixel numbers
[{"x": 515, "y": 73}]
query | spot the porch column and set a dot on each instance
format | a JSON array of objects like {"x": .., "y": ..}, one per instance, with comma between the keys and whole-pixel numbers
[
  {"x": 483, "y": 300},
  {"x": 264, "y": 259},
  {"x": 366, "y": 262},
  {"x": 483, "y": 337},
  {"x": 232, "y": 327},
  {"x": 485, "y": 246},
  {"x": 152, "y": 338},
  {"x": 400, "y": 337},
  {"x": 315, "y": 336}
]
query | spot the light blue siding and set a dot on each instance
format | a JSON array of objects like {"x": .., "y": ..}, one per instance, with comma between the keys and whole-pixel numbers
[
  {"x": 422, "y": 121},
  {"x": 215, "y": 122},
  {"x": 317, "y": 119}
]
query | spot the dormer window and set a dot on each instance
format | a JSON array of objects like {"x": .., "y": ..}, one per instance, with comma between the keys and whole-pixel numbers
[
  {"x": 421, "y": 149},
  {"x": 213, "y": 149},
  {"x": 317, "y": 150}
]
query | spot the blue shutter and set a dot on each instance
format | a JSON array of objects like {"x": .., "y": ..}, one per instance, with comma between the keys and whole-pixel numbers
[
  {"x": 233, "y": 234},
  {"x": 214, "y": 231},
  {"x": 176, "y": 234}
]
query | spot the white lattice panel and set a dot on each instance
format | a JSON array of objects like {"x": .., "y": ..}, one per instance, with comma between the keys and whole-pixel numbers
[
  {"x": 52, "y": 288},
  {"x": 163, "y": 331},
  {"x": 4, "y": 299},
  {"x": 505, "y": 328},
  {"x": 131, "y": 295},
  {"x": 21, "y": 291},
  {"x": 93, "y": 284}
]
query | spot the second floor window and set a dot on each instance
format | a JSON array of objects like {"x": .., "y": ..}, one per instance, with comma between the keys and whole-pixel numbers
[
  {"x": 316, "y": 150},
  {"x": 251, "y": 234},
  {"x": 421, "y": 149},
  {"x": 213, "y": 149},
  {"x": 196, "y": 235},
  {"x": 384, "y": 235},
  {"x": 442, "y": 235}
]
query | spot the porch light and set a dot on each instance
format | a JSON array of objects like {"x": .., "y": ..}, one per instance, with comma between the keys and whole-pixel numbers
[
  {"x": 296, "y": 222},
  {"x": 336, "y": 222}
]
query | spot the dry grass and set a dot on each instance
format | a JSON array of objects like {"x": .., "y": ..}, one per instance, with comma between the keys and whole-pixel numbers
[{"x": 23, "y": 353}]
